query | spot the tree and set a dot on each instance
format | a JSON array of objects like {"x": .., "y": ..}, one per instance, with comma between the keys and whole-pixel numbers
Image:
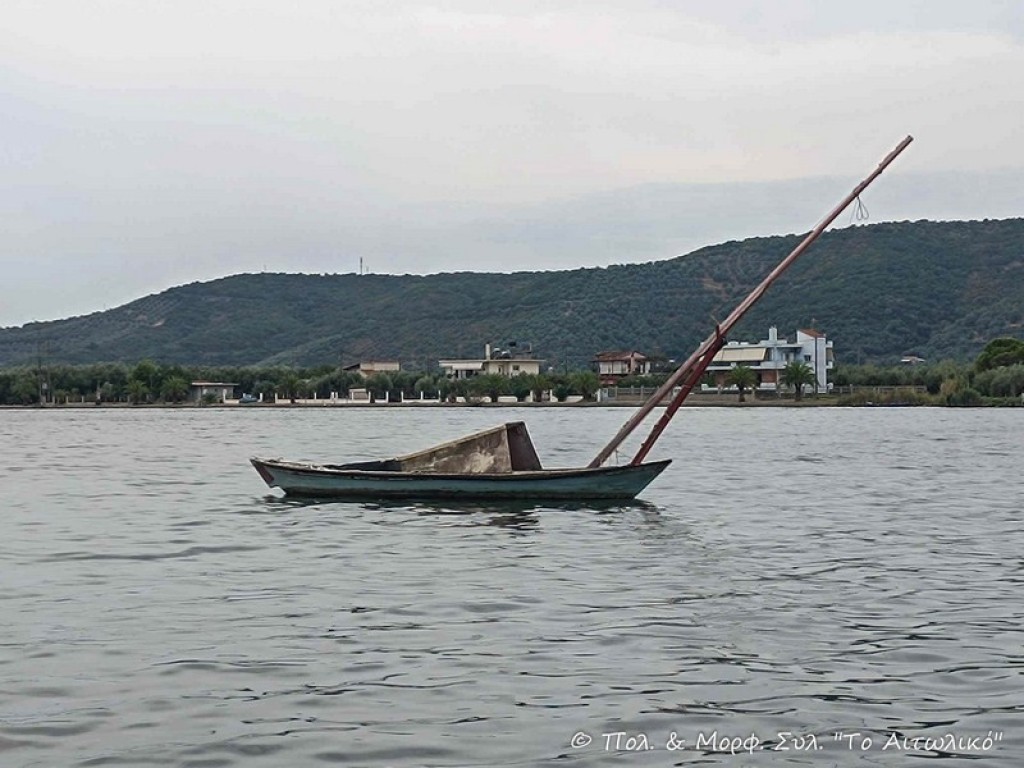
[
  {"x": 1000, "y": 352},
  {"x": 25, "y": 389},
  {"x": 174, "y": 390},
  {"x": 379, "y": 385},
  {"x": 115, "y": 378},
  {"x": 455, "y": 388},
  {"x": 743, "y": 378},
  {"x": 423, "y": 385},
  {"x": 586, "y": 384},
  {"x": 404, "y": 382},
  {"x": 797, "y": 375},
  {"x": 540, "y": 384},
  {"x": 490, "y": 384},
  {"x": 932, "y": 376},
  {"x": 137, "y": 391},
  {"x": 1005, "y": 381},
  {"x": 958, "y": 392},
  {"x": 289, "y": 383},
  {"x": 148, "y": 373},
  {"x": 560, "y": 388},
  {"x": 446, "y": 389},
  {"x": 264, "y": 387},
  {"x": 520, "y": 386},
  {"x": 107, "y": 392}
]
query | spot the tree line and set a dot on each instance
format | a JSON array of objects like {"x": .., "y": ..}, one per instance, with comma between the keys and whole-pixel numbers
[
  {"x": 150, "y": 382},
  {"x": 997, "y": 373}
]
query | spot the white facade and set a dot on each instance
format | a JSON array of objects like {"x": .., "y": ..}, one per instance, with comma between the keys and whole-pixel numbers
[
  {"x": 768, "y": 357},
  {"x": 612, "y": 366},
  {"x": 497, "y": 362},
  {"x": 374, "y": 366},
  {"x": 222, "y": 390}
]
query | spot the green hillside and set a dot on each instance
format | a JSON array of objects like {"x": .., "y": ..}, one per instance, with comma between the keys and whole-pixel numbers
[{"x": 936, "y": 289}]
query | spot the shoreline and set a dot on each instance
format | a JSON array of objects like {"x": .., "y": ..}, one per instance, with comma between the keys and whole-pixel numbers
[{"x": 821, "y": 402}]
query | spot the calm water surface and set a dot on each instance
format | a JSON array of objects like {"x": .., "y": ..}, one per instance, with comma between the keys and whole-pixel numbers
[{"x": 817, "y": 572}]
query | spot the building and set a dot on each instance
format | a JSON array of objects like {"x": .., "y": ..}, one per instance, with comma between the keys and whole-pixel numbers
[
  {"x": 373, "y": 366},
  {"x": 768, "y": 357},
  {"x": 613, "y": 366},
  {"x": 507, "y": 362},
  {"x": 221, "y": 390}
]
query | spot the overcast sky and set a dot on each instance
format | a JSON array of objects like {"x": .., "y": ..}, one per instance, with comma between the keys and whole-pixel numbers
[{"x": 150, "y": 144}]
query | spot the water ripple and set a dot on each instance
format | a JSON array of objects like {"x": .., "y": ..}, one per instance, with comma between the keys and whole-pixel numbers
[{"x": 861, "y": 574}]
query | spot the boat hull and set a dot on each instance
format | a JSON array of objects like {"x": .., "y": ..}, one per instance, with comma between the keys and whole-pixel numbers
[{"x": 312, "y": 480}]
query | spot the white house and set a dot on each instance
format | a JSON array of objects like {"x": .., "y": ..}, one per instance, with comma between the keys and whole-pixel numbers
[
  {"x": 496, "y": 361},
  {"x": 368, "y": 368},
  {"x": 768, "y": 357},
  {"x": 612, "y": 366},
  {"x": 221, "y": 390}
]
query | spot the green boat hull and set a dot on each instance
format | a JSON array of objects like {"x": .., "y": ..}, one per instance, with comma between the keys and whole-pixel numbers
[{"x": 340, "y": 482}]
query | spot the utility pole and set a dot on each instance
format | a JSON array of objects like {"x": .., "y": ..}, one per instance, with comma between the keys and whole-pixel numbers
[
  {"x": 42, "y": 375},
  {"x": 817, "y": 381}
]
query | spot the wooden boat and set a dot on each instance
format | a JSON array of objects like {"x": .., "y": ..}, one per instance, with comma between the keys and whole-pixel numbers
[
  {"x": 501, "y": 463},
  {"x": 498, "y": 463},
  {"x": 329, "y": 481}
]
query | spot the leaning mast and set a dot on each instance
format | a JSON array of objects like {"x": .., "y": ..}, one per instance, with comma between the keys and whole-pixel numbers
[{"x": 689, "y": 373}]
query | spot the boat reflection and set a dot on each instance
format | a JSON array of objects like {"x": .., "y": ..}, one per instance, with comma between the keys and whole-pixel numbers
[{"x": 503, "y": 513}]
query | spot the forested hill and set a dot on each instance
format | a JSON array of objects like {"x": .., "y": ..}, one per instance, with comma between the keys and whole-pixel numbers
[{"x": 939, "y": 290}]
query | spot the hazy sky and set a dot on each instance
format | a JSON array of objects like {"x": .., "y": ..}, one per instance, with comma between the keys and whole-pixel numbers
[{"x": 150, "y": 144}]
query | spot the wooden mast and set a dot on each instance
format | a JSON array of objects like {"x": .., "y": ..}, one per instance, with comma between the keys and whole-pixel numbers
[{"x": 688, "y": 374}]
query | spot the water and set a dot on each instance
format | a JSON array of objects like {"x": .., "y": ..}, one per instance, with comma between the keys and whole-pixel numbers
[{"x": 818, "y": 572}]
